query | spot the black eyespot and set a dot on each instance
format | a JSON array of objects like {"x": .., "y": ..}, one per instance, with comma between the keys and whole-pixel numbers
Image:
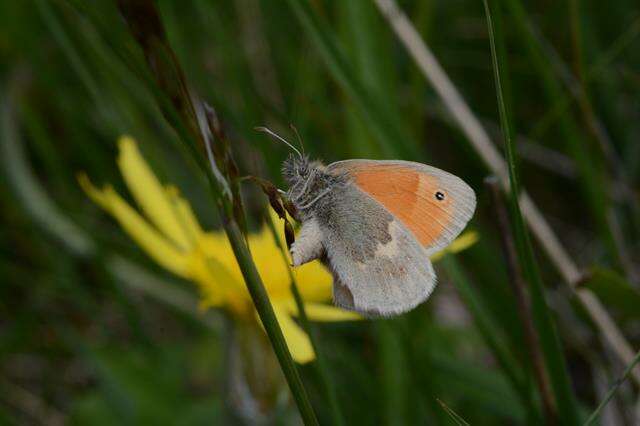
[{"x": 439, "y": 196}]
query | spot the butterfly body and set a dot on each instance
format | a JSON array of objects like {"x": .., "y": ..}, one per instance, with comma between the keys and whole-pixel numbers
[{"x": 374, "y": 224}]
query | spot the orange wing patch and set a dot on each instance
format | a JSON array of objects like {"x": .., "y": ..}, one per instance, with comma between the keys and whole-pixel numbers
[{"x": 414, "y": 198}]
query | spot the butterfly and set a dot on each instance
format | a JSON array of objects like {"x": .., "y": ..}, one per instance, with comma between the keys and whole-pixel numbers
[{"x": 375, "y": 224}]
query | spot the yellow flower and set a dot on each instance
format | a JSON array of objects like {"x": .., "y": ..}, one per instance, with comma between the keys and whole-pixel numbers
[{"x": 172, "y": 236}]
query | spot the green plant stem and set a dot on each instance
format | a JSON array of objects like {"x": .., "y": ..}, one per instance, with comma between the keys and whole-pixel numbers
[
  {"x": 320, "y": 366},
  {"x": 186, "y": 114},
  {"x": 269, "y": 321},
  {"x": 552, "y": 348}
]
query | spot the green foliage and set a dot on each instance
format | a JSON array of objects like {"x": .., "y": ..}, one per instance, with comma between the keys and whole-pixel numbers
[
  {"x": 85, "y": 340},
  {"x": 615, "y": 291},
  {"x": 556, "y": 366}
]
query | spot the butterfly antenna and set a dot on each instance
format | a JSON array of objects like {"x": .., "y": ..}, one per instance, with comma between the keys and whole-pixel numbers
[
  {"x": 295, "y": 130},
  {"x": 278, "y": 137}
]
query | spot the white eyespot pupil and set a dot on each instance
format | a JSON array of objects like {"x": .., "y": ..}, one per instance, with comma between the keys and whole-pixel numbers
[{"x": 439, "y": 196}]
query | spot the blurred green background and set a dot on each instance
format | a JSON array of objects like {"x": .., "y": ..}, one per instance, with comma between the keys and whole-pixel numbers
[{"x": 94, "y": 332}]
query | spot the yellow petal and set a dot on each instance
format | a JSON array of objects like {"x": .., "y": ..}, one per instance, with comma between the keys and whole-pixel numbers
[
  {"x": 463, "y": 242},
  {"x": 323, "y": 313},
  {"x": 144, "y": 235},
  {"x": 206, "y": 274},
  {"x": 314, "y": 282},
  {"x": 218, "y": 285},
  {"x": 297, "y": 340},
  {"x": 215, "y": 245},
  {"x": 184, "y": 213},
  {"x": 149, "y": 193}
]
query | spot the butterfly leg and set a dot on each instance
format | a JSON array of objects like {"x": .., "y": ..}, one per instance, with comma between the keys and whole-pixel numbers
[{"x": 308, "y": 244}]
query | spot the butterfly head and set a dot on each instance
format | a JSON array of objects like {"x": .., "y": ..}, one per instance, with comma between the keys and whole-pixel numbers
[
  {"x": 296, "y": 168},
  {"x": 307, "y": 181}
]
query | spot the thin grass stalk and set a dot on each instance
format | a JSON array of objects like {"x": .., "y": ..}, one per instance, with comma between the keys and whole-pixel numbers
[
  {"x": 145, "y": 25},
  {"x": 565, "y": 399},
  {"x": 481, "y": 142},
  {"x": 518, "y": 285},
  {"x": 590, "y": 173},
  {"x": 596, "y": 413},
  {"x": 457, "y": 419}
]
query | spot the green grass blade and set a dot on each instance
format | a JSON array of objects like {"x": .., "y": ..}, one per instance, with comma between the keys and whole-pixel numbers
[
  {"x": 391, "y": 139},
  {"x": 554, "y": 359},
  {"x": 454, "y": 416},
  {"x": 596, "y": 413}
]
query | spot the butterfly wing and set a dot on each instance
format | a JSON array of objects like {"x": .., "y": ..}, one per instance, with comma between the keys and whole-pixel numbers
[
  {"x": 378, "y": 265},
  {"x": 433, "y": 204}
]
